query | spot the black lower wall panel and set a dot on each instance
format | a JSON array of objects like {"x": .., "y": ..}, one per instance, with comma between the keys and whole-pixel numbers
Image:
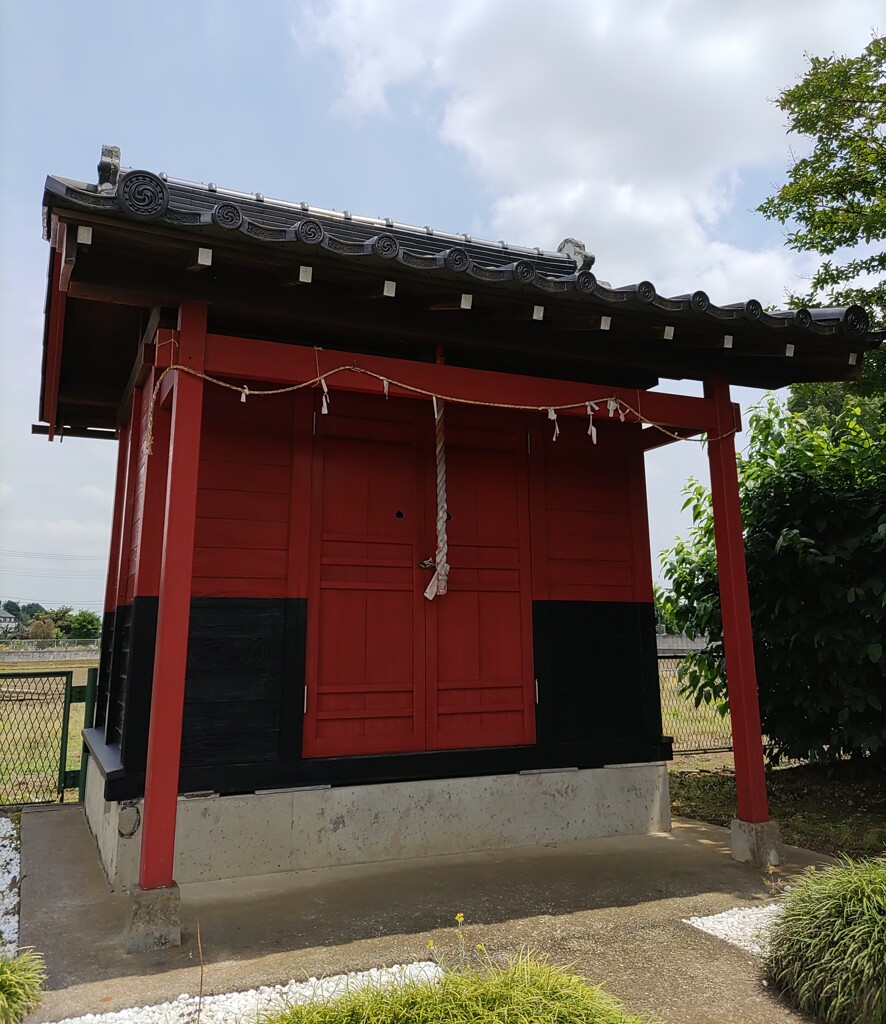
[
  {"x": 139, "y": 678},
  {"x": 597, "y": 669},
  {"x": 598, "y": 702}
]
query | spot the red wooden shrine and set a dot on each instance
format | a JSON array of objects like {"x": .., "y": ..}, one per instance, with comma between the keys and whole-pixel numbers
[{"x": 266, "y": 623}]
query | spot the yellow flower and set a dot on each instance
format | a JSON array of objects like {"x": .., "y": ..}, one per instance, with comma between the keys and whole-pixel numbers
[
  {"x": 481, "y": 947},
  {"x": 430, "y": 943},
  {"x": 459, "y": 917}
]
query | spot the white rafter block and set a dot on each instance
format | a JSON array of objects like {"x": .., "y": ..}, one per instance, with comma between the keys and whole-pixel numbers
[
  {"x": 538, "y": 312},
  {"x": 204, "y": 257},
  {"x": 305, "y": 275},
  {"x": 669, "y": 334},
  {"x": 605, "y": 323},
  {"x": 727, "y": 341},
  {"x": 84, "y": 235},
  {"x": 853, "y": 358},
  {"x": 467, "y": 300},
  {"x": 390, "y": 289},
  {"x": 789, "y": 350}
]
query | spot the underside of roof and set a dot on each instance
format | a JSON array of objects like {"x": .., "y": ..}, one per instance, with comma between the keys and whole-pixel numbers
[{"x": 128, "y": 249}]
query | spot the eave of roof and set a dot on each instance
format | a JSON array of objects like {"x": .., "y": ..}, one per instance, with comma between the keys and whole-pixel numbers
[{"x": 544, "y": 308}]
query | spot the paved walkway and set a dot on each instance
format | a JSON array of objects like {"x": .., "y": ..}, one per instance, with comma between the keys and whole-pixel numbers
[{"x": 612, "y": 907}]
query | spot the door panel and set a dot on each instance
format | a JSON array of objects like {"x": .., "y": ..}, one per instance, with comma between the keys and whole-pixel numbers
[
  {"x": 387, "y": 670},
  {"x": 365, "y": 631},
  {"x": 480, "y": 686}
]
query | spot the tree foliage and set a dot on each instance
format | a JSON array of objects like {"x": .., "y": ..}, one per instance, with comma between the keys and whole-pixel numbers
[
  {"x": 814, "y": 508},
  {"x": 84, "y": 625},
  {"x": 834, "y": 202}
]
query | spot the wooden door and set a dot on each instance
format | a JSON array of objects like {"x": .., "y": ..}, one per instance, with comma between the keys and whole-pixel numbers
[
  {"x": 365, "y": 643},
  {"x": 387, "y": 670},
  {"x": 481, "y": 690}
]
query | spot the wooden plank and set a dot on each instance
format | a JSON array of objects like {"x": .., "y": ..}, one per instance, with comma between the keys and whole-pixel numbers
[{"x": 249, "y": 359}]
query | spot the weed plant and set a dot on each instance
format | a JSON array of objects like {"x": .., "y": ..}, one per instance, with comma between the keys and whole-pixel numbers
[
  {"x": 528, "y": 989},
  {"x": 21, "y": 985},
  {"x": 827, "y": 950}
]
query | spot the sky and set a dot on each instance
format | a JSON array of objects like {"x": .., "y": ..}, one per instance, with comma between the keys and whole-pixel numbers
[{"x": 646, "y": 129}]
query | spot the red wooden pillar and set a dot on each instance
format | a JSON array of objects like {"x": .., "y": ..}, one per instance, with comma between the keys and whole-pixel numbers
[
  {"x": 738, "y": 640},
  {"x": 173, "y": 617}
]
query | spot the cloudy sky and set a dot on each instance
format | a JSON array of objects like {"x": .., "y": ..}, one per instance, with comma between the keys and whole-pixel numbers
[{"x": 644, "y": 128}]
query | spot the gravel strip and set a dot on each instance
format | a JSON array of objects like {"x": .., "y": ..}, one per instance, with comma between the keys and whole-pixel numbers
[
  {"x": 247, "y": 1007},
  {"x": 742, "y": 926},
  {"x": 9, "y": 883}
]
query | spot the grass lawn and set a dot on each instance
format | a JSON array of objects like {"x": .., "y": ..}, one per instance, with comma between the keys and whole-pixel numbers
[
  {"x": 527, "y": 990},
  {"x": 831, "y": 815}
]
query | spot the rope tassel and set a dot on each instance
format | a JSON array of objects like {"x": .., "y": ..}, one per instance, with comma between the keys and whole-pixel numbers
[{"x": 440, "y": 580}]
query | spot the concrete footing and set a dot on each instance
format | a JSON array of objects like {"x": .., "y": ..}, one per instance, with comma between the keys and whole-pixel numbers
[
  {"x": 154, "y": 920},
  {"x": 293, "y": 830},
  {"x": 757, "y": 843}
]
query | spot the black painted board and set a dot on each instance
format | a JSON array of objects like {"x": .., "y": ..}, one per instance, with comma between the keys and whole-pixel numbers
[
  {"x": 292, "y": 691},
  {"x": 139, "y": 682},
  {"x": 596, "y": 681},
  {"x": 438, "y": 764},
  {"x": 117, "y": 675}
]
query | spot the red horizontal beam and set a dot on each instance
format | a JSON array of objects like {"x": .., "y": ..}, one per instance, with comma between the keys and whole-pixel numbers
[{"x": 244, "y": 359}]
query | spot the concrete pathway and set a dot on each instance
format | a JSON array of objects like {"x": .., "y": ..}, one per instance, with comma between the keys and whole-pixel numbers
[{"x": 611, "y": 907}]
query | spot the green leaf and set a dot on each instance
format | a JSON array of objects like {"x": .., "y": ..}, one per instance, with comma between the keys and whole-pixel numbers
[{"x": 875, "y": 652}]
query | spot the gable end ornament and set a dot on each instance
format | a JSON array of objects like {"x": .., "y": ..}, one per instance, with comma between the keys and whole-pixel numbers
[{"x": 142, "y": 195}]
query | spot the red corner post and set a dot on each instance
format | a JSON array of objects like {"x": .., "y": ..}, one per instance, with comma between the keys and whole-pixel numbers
[
  {"x": 173, "y": 617},
  {"x": 738, "y": 640}
]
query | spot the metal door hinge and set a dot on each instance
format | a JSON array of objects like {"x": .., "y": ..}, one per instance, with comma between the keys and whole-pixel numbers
[
  {"x": 305, "y": 708},
  {"x": 528, "y": 444},
  {"x": 536, "y": 691},
  {"x": 313, "y": 424}
]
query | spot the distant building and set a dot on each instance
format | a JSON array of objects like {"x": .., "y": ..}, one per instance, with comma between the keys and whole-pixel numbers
[{"x": 8, "y": 623}]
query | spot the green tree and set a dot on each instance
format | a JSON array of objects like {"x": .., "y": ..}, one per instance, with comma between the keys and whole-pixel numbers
[
  {"x": 814, "y": 508},
  {"x": 834, "y": 203},
  {"x": 41, "y": 629},
  {"x": 61, "y": 616},
  {"x": 24, "y": 612},
  {"x": 85, "y": 625}
]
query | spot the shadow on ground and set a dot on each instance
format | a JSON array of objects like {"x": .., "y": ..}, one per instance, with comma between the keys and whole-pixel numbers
[{"x": 614, "y": 907}]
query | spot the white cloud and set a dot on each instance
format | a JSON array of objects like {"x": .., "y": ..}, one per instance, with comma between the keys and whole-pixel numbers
[{"x": 630, "y": 125}]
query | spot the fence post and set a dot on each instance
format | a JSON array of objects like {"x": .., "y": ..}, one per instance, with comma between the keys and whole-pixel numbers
[
  {"x": 88, "y": 722},
  {"x": 63, "y": 753}
]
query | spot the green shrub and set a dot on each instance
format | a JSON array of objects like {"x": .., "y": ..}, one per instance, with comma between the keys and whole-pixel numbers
[
  {"x": 528, "y": 989},
  {"x": 827, "y": 951},
  {"x": 21, "y": 984}
]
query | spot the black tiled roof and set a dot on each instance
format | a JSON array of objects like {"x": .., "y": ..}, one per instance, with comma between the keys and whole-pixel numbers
[{"x": 147, "y": 197}]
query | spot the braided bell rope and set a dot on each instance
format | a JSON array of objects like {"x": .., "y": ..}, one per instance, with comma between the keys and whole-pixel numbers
[{"x": 440, "y": 580}]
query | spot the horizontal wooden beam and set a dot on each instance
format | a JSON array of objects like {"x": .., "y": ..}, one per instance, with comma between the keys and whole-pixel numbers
[
  {"x": 245, "y": 359},
  {"x": 652, "y": 438}
]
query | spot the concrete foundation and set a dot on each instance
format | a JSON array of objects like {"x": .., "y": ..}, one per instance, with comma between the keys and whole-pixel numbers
[
  {"x": 757, "y": 843},
  {"x": 154, "y": 920},
  {"x": 238, "y": 836}
]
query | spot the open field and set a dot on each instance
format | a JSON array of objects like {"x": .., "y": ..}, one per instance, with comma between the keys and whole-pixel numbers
[
  {"x": 30, "y": 732},
  {"x": 693, "y": 728}
]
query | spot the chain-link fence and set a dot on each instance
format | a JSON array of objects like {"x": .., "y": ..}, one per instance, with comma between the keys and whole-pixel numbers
[
  {"x": 695, "y": 729},
  {"x": 33, "y": 734}
]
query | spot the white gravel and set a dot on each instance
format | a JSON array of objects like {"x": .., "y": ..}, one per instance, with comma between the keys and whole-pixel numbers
[
  {"x": 247, "y": 1007},
  {"x": 742, "y": 926},
  {"x": 9, "y": 883}
]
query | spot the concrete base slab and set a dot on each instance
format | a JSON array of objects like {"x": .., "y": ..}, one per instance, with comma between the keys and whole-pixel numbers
[
  {"x": 291, "y": 830},
  {"x": 757, "y": 843},
  {"x": 154, "y": 920}
]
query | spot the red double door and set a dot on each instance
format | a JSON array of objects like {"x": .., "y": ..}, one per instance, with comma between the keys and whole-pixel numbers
[{"x": 388, "y": 670}]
